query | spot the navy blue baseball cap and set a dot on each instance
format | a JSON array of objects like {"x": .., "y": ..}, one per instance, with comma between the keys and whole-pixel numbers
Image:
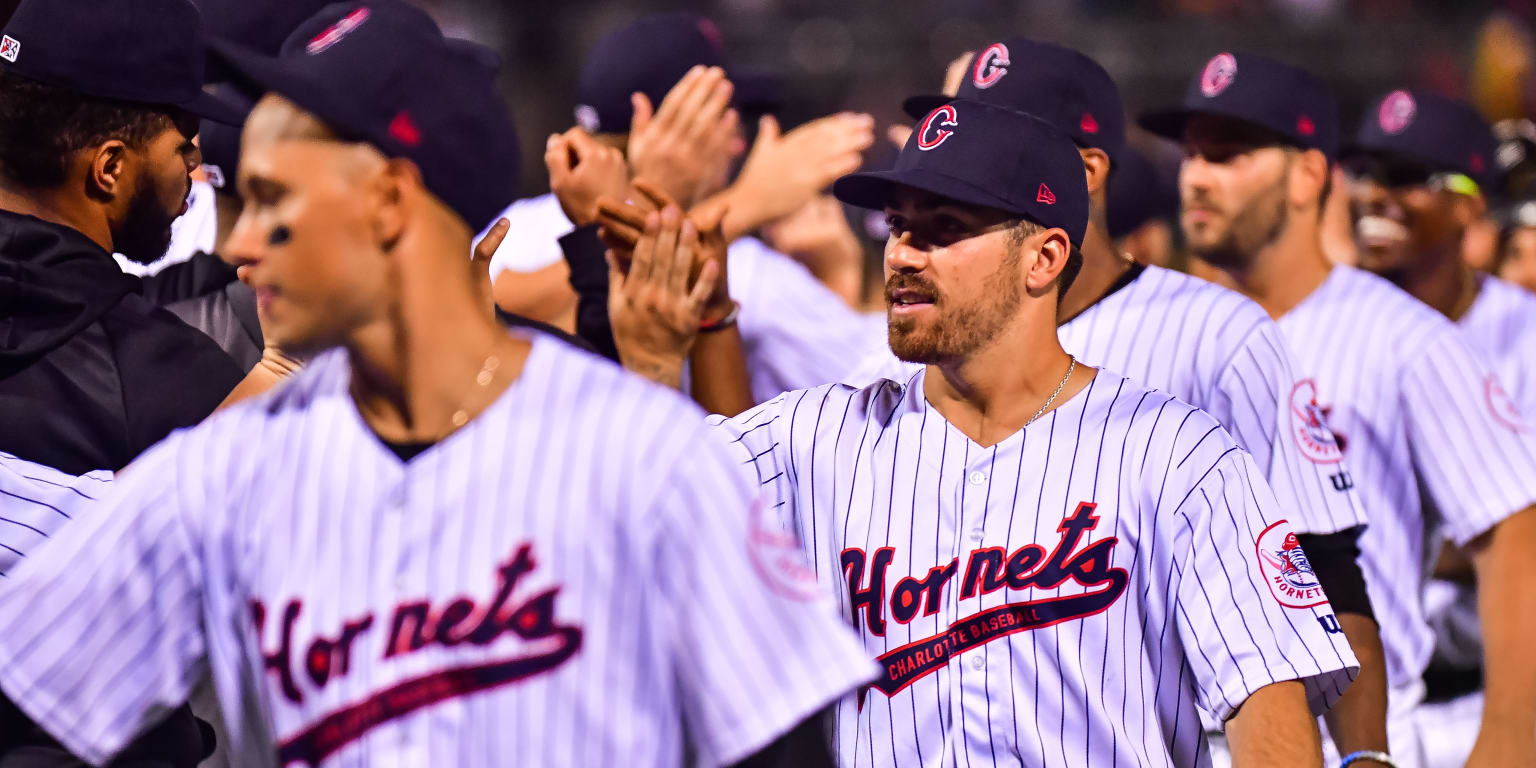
[
  {"x": 1285, "y": 100},
  {"x": 1139, "y": 192},
  {"x": 380, "y": 71},
  {"x": 149, "y": 52},
  {"x": 220, "y": 143},
  {"x": 1428, "y": 130},
  {"x": 650, "y": 56},
  {"x": 986, "y": 155},
  {"x": 1059, "y": 85},
  {"x": 261, "y": 25}
]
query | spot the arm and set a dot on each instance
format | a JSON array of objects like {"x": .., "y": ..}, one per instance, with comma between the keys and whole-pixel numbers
[
  {"x": 1273, "y": 728},
  {"x": 784, "y": 172},
  {"x": 1358, "y": 721},
  {"x": 1507, "y": 606}
]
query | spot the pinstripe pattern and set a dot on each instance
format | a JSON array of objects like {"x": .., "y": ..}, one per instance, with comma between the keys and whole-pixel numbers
[
  {"x": 35, "y": 501},
  {"x": 1218, "y": 351},
  {"x": 1406, "y": 393},
  {"x": 795, "y": 331},
  {"x": 630, "y": 510},
  {"x": 1502, "y": 325},
  {"x": 884, "y": 493}
]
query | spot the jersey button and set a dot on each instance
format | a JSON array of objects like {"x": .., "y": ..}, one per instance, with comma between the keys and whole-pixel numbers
[
  {"x": 978, "y": 662},
  {"x": 978, "y": 477},
  {"x": 976, "y": 534}
]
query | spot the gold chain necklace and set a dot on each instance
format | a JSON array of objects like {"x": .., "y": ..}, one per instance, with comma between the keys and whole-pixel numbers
[{"x": 1070, "y": 368}]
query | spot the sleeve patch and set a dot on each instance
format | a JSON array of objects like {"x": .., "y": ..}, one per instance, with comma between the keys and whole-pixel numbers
[
  {"x": 778, "y": 559},
  {"x": 1286, "y": 569},
  {"x": 1502, "y": 406},
  {"x": 1309, "y": 428}
]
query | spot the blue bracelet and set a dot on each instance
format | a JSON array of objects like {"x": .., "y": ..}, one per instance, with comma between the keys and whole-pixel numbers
[{"x": 1368, "y": 754}]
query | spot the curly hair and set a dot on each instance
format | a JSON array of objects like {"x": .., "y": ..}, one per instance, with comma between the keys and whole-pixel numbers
[{"x": 43, "y": 125}]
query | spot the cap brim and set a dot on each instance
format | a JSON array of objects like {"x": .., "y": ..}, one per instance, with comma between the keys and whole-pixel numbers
[
  {"x": 1167, "y": 123},
  {"x": 872, "y": 189},
  {"x": 306, "y": 88},
  {"x": 212, "y": 107},
  {"x": 918, "y": 107}
]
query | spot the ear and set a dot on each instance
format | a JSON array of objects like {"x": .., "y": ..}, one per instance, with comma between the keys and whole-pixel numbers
[
  {"x": 107, "y": 172},
  {"x": 397, "y": 193},
  {"x": 1096, "y": 165},
  {"x": 1309, "y": 176},
  {"x": 1054, "y": 248}
]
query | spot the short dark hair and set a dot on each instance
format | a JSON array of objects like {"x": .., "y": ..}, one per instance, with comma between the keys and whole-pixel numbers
[
  {"x": 42, "y": 125},
  {"x": 1068, "y": 275}
]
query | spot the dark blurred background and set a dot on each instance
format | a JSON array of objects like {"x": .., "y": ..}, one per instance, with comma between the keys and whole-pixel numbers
[{"x": 868, "y": 54}]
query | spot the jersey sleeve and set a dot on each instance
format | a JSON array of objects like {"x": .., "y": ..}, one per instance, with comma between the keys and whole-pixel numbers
[
  {"x": 757, "y": 644},
  {"x": 36, "y": 501},
  {"x": 796, "y": 331},
  {"x": 103, "y": 632},
  {"x": 1249, "y": 609},
  {"x": 1471, "y": 446},
  {"x": 1275, "y": 419}
]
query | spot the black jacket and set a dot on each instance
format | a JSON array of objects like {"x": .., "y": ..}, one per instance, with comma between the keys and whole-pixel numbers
[{"x": 92, "y": 371}]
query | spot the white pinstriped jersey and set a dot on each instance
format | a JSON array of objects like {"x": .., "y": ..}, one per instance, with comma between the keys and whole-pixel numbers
[
  {"x": 1409, "y": 401},
  {"x": 578, "y": 577},
  {"x": 35, "y": 501},
  {"x": 1066, "y": 597},
  {"x": 1218, "y": 351},
  {"x": 796, "y": 332},
  {"x": 1502, "y": 324}
]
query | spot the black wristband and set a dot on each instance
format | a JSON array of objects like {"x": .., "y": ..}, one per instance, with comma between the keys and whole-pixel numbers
[{"x": 1335, "y": 558}]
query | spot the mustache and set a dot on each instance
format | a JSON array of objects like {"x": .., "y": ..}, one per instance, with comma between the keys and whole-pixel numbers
[{"x": 902, "y": 281}]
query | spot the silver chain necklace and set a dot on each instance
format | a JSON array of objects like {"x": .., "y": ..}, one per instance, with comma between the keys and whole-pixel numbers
[{"x": 1070, "y": 368}]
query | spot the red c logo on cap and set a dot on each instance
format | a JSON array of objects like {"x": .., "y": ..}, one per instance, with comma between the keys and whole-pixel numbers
[
  {"x": 991, "y": 65},
  {"x": 1396, "y": 112},
  {"x": 944, "y": 115},
  {"x": 1219, "y": 73}
]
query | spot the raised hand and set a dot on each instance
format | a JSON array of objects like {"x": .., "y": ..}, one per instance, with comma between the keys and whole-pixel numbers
[
  {"x": 480, "y": 261},
  {"x": 818, "y": 235},
  {"x": 581, "y": 170},
  {"x": 623, "y": 222},
  {"x": 655, "y": 307},
  {"x": 687, "y": 144},
  {"x": 782, "y": 172}
]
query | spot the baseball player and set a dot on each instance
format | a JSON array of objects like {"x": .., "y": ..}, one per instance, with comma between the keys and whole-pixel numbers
[
  {"x": 440, "y": 543},
  {"x": 1403, "y": 391},
  {"x": 1419, "y": 166},
  {"x": 1204, "y": 344},
  {"x": 1052, "y": 564}
]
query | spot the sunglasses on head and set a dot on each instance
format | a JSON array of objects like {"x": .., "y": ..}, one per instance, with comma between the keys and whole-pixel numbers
[{"x": 1398, "y": 174}]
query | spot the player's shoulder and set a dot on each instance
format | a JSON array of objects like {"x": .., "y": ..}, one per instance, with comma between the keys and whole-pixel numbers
[
  {"x": 1162, "y": 433},
  {"x": 1372, "y": 302},
  {"x": 829, "y": 408},
  {"x": 1502, "y": 308}
]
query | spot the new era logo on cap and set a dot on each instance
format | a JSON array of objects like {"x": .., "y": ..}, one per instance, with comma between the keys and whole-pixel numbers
[
  {"x": 334, "y": 33},
  {"x": 1396, "y": 112},
  {"x": 930, "y": 134},
  {"x": 991, "y": 65},
  {"x": 1219, "y": 73},
  {"x": 1045, "y": 195},
  {"x": 10, "y": 48}
]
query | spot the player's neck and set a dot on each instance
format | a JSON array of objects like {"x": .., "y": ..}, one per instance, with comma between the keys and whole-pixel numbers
[
  {"x": 993, "y": 393},
  {"x": 1102, "y": 266},
  {"x": 1284, "y": 272},
  {"x": 55, "y": 207},
  {"x": 419, "y": 366},
  {"x": 1442, "y": 281}
]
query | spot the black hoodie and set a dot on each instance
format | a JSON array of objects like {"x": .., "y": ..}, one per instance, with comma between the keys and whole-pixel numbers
[{"x": 91, "y": 371}]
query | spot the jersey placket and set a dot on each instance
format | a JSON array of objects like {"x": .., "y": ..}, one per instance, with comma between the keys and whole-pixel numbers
[
  {"x": 399, "y": 576},
  {"x": 969, "y": 695}
]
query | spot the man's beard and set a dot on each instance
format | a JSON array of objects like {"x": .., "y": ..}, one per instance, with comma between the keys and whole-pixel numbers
[
  {"x": 1253, "y": 228},
  {"x": 145, "y": 233},
  {"x": 957, "y": 332}
]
